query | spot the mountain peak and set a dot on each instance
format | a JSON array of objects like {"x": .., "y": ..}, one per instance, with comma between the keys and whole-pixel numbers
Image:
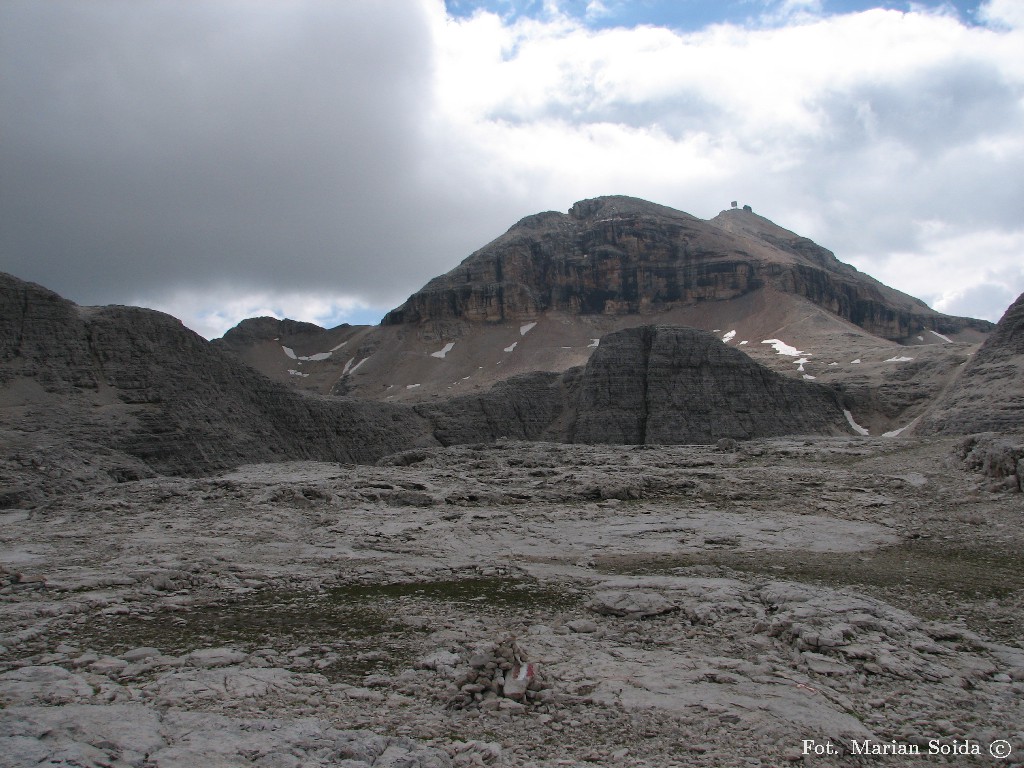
[
  {"x": 618, "y": 255},
  {"x": 610, "y": 206}
]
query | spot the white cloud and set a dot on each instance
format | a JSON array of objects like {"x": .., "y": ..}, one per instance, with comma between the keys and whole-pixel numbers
[
  {"x": 1006, "y": 13},
  {"x": 849, "y": 128},
  {"x": 976, "y": 273}
]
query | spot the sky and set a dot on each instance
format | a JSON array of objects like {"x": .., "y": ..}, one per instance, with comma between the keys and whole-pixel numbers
[{"x": 321, "y": 160}]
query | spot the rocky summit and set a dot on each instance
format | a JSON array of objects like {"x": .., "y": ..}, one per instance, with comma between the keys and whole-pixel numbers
[
  {"x": 688, "y": 495},
  {"x": 620, "y": 255}
]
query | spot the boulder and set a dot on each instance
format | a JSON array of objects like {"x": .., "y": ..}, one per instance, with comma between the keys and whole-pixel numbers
[{"x": 634, "y": 604}]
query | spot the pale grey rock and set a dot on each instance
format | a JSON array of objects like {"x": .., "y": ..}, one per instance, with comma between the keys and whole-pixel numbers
[
  {"x": 438, "y": 660},
  {"x": 632, "y": 604},
  {"x": 187, "y": 686},
  {"x": 46, "y": 684},
  {"x": 825, "y": 665},
  {"x": 216, "y": 657},
  {"x": 140, "y": 654},
  {"x": 133, "y": 735},
  {"x": 108, "y": 665}
]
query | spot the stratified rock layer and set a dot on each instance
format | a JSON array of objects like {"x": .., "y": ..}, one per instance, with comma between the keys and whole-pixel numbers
[
  {"x": 646, "y": 385},
  {"x": 679, "y": 385},
  {"x": 139, "y": 382},
  {"x": 620, "y": 255},
  {"x": 989, "y": 394}
]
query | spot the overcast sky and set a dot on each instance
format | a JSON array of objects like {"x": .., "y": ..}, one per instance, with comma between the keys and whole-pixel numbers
[{"x": 322, "y": 160}]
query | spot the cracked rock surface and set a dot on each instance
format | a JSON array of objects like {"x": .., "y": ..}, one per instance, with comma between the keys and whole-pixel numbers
[{"x": 519, "y": 604}]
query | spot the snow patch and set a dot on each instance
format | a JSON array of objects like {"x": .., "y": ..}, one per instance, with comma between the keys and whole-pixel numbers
[
  {"x": 855, "y": 362},
  {"x": 349, "y": 368},
  {"x": 783, "y": 348},
  {"x": 744, "y": 342},
  {"x": 411, "y": 386},
  {"x": 800, "y": 363},
  {"x": 525, "y": 329},
  {"x": 442, "y": 352},
  {"x": 901, "y": 359},
  {"x": 856, "y": 427},
  {"x": 512, "y": 347},
  {"x": 289, "y": 352},
  {"x": 920, "y": 338},
  {"x": 335, "y": 349},
  {"x": 808, "y": 376},
  {"x": 593, "y": 343},
  {"x": 896, "y": 432},
  {"x": 944, "y": 338},
  {"x": 832, "y": 365},
  {"x": 293, "y": 372},
  {"x": 729, "y": 336}
]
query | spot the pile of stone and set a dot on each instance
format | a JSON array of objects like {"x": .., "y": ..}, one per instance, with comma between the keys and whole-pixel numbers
[
  {"x": 1000, "y": 457},
  {"x": 499, "y": 676}
]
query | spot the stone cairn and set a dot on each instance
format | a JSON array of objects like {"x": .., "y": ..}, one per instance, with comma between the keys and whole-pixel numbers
[{"x": 494, "y": 675}]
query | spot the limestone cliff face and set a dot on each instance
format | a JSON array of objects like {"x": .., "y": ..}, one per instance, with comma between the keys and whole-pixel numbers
[
  {"x": 988, "y": 396},
  {"x": 526, "y": 407},
  {"x": 620, "y": 255},
  {"x": 646, "y": 385},
  {"x": 664, "y": 385},
  {"x": 43, "y": 336},
  {"x": 138, "y": 382}
]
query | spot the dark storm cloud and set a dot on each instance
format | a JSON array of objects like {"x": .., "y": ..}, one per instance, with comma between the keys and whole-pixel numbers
[{"x": 173, "y": 144}]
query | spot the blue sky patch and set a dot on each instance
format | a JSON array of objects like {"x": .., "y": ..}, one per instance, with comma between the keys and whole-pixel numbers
[{"x": 690, "y": 15}]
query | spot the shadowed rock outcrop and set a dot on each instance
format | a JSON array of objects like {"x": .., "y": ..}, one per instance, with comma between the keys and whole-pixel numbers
[
  {"x": 668, "y": 385},
  {"x": 620, "y": 255},
  {"x": 988, "y": 396},
  {"x": 138, "y": 382},
  {"x": 646, "y": 385}
]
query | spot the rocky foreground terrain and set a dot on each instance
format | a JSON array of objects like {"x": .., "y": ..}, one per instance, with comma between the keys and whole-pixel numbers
[{"x": 525, "y": 604}]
